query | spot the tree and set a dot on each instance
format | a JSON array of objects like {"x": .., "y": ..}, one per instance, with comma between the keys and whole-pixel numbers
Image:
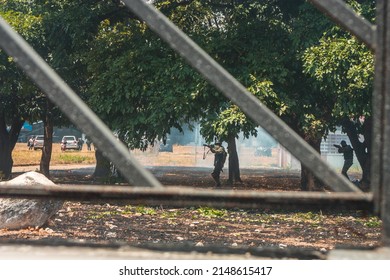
[
  {"x": 148, "y": 84},
  {"x": 347, "y": 78},
  {"x": 66, "y": 40},
  {"x": 257, "y": 41},
  {"x": 139, "y": 79},
  {"x": 262, "y": 42},
  {"x": 17, "y": 93},
  {"x": 163, "y": 91},
  {"x": 341, "y": 70},
  {"x": 228, "y": 123}
]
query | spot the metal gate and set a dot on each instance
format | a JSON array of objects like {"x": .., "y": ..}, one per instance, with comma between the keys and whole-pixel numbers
[{"x": 148, "y": 189}]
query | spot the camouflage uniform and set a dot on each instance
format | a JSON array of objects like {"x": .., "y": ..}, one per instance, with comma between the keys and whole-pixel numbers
[
  {"x": 219, "y": 161},
  {"x": 348, "y": 156}
]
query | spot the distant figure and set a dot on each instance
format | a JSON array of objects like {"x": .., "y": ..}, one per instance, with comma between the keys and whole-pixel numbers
[
  {"x": 219, "y": 161},
  {"x": 63, "y": 145},
  {"x": 80, "y": 143},
  {"x": 30, "y": 142},
  {"x": 348, "y": 156},
  {"x": 88, "y": 142}
]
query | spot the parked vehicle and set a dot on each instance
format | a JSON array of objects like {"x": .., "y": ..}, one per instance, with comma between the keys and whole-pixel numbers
[
  {"x": 69, "y": 143},
  {"x": 263, "y": 152},
  {"x": 38, "y": 142},
  {"x": 167, "y": 147}
]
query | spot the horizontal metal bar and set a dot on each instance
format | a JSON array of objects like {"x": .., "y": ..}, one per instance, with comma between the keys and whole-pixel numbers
[
  {"x": 186, "y": 197},
  {"x": 346, "y": 17},
  {"x": 236, "y": 92},
  {"x": 72, "y": 106}
]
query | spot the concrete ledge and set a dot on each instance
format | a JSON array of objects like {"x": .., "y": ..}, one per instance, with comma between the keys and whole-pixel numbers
[
  {"x": 27, "y": 252},
  {"x": 382, "y": 253}
]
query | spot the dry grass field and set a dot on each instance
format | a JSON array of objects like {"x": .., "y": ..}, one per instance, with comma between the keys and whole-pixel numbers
[
  {"x": 181, "y": 156},
  {"x": 22, "y": 156}
]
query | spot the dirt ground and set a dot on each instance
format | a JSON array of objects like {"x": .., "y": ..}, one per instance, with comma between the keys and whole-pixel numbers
[{"x": 203, "y": 226}]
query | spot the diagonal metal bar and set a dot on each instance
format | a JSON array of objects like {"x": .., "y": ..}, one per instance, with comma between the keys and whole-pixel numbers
[
  {"x": 76, "y": 110},
  {"x": 346, "y": 17},
  {"x": 236, "y": 92}
]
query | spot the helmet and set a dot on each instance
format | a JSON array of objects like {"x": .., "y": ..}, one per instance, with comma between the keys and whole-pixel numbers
[{"x": 343, "y": 143}]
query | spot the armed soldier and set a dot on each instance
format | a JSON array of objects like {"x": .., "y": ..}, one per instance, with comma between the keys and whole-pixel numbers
[
  {"x": 219, "y": 160},
  {"x": 348, "y": 156}
]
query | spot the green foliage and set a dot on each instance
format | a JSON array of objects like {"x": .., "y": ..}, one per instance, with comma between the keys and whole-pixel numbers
[
  {"x": 102, "y": 215},
  {"x": 128, "y": 210},
  {"x": 18, "y": 95},
  {"x": 211, "y": 212},
  {"x": 145, "y": 210},
  {"x": 343, "y": 69},
  {"x": 141, "y": 79},
  {"x": 371, "y": 222},
  {"x": 286, "y": 53}
]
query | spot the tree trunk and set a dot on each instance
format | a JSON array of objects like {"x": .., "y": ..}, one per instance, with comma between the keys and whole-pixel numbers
[
  {"x": 308, "y": 181},
  {"x": 48, "y": 141},
  {"x": 362, "y": 149},
  {"x": 234, "y": 166},
  {"x": 8, "y": 139},
  {"x": 102, "y": 169},
  {"x": 6, "y": 161}
]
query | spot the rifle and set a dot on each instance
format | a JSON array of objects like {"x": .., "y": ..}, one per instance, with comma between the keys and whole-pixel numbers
[{"x": 204, "y": 150}]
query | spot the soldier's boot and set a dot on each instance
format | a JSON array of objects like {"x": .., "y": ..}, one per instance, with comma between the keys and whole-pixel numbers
[{"x": 216, "y": 179}]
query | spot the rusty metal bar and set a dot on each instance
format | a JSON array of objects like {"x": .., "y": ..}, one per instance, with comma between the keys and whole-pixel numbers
[
  {"x": 378, "y": 101},
  {"x": 187, "y": 197},
  {"x": 236, "y": 92},
  {"x": 346, "y": 17},
  {"x": 76, "y": 110},
  {"x": 380, "y": 172},
  {"x": 385, "y": 168}
]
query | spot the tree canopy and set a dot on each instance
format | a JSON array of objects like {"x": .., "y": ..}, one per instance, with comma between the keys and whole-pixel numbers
[
  {"x": 19, "y": 98},
  {"x": 289, "y": 55}
]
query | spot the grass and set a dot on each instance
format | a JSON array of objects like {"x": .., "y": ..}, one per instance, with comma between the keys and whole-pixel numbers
[
  {"x": 297, "y": 220},
  {"x": 128, "y": 210},
  {"x": 371, "y": 222},
  {"x": 72, "y": 158},
  {"x": 211, "y": 212},
  {"x": 22, "y": 156}
]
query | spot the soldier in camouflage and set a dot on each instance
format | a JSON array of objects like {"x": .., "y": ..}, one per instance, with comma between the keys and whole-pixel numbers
[
  {"x": 219, "y": 161},
  {"x": 347, "y": 151}
]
